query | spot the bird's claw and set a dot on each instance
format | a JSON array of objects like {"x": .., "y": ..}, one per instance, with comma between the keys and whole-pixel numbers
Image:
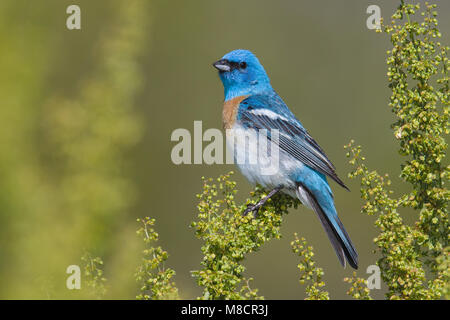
[{"x": 251, "y": 208}]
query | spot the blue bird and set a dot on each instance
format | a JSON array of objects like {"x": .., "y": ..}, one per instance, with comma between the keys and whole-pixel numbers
[{"x": 251, "y": 104}]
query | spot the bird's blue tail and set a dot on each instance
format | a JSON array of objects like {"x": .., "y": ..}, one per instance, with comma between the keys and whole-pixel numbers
[{"x": 321, "y": 201}]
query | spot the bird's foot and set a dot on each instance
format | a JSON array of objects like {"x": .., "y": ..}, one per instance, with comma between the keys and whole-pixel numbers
[
  {"x": 255, "y": 207},
  {"x": 252, "y": 208}
]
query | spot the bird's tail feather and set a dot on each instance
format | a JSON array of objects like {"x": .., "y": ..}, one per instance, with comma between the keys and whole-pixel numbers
[{"x": 335, "y": 230}]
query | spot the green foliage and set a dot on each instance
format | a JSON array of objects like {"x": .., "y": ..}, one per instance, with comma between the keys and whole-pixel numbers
[
  {"x": 93, "y": 279},
  {"x": 358, "y": 289},
  {"x": 310, "y": 273},
  {"x": 418, "y": 78},
  {"x": 229, "y": 236},
  {"x": 400, "y": 263},
  {"x": 154, "y": 279},
  {"x": 398, "y": 244},
  {"x": 443, "y": 267}
]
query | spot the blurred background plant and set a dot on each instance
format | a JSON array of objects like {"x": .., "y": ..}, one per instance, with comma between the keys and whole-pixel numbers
[
  {"x": 86, "y": 118},
  {"x": 93, "y": 281},
  {"x": 65, "y": 180}
]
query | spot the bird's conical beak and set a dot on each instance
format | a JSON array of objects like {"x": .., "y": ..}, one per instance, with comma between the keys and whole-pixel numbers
[{"x": 222, "y": 65}]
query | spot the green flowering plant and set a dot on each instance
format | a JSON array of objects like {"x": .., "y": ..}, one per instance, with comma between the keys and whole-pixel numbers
[
  {"x": 310, "y": 273},
  {"x": 154, "y": 279},
  {"x": 358, "y": 288},
  {"x": 413, "y": 258},
  {"x": 229, "y": 236}
]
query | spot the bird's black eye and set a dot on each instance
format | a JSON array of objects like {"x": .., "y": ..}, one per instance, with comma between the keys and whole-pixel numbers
[{"x": 243, "y": 65}]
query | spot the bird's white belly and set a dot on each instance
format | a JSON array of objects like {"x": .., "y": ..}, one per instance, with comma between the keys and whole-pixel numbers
[{"x": 260, "y": 160}]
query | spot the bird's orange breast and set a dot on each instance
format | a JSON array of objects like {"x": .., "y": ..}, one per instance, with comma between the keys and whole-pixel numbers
[{"x": 230, "y": 109}]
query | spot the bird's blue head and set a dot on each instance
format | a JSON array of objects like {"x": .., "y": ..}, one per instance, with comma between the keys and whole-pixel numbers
[{"x": 242, "y": 74}]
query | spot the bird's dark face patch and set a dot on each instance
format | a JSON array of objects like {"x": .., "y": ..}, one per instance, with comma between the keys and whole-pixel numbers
[{"x": 225, "y": 65}]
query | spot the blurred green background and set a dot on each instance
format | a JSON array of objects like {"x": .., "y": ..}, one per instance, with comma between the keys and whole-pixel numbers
[{"x": 86, "y": 117}]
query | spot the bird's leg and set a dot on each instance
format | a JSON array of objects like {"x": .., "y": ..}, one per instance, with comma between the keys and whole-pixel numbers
[{"x": 255, "y": 208}]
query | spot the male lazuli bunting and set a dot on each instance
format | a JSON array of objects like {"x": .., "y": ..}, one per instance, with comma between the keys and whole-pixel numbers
[{"x": 252, "y": 104}]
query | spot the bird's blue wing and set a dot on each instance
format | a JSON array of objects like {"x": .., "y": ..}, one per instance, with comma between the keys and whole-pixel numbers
[{"x": 269, "y": 112}]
